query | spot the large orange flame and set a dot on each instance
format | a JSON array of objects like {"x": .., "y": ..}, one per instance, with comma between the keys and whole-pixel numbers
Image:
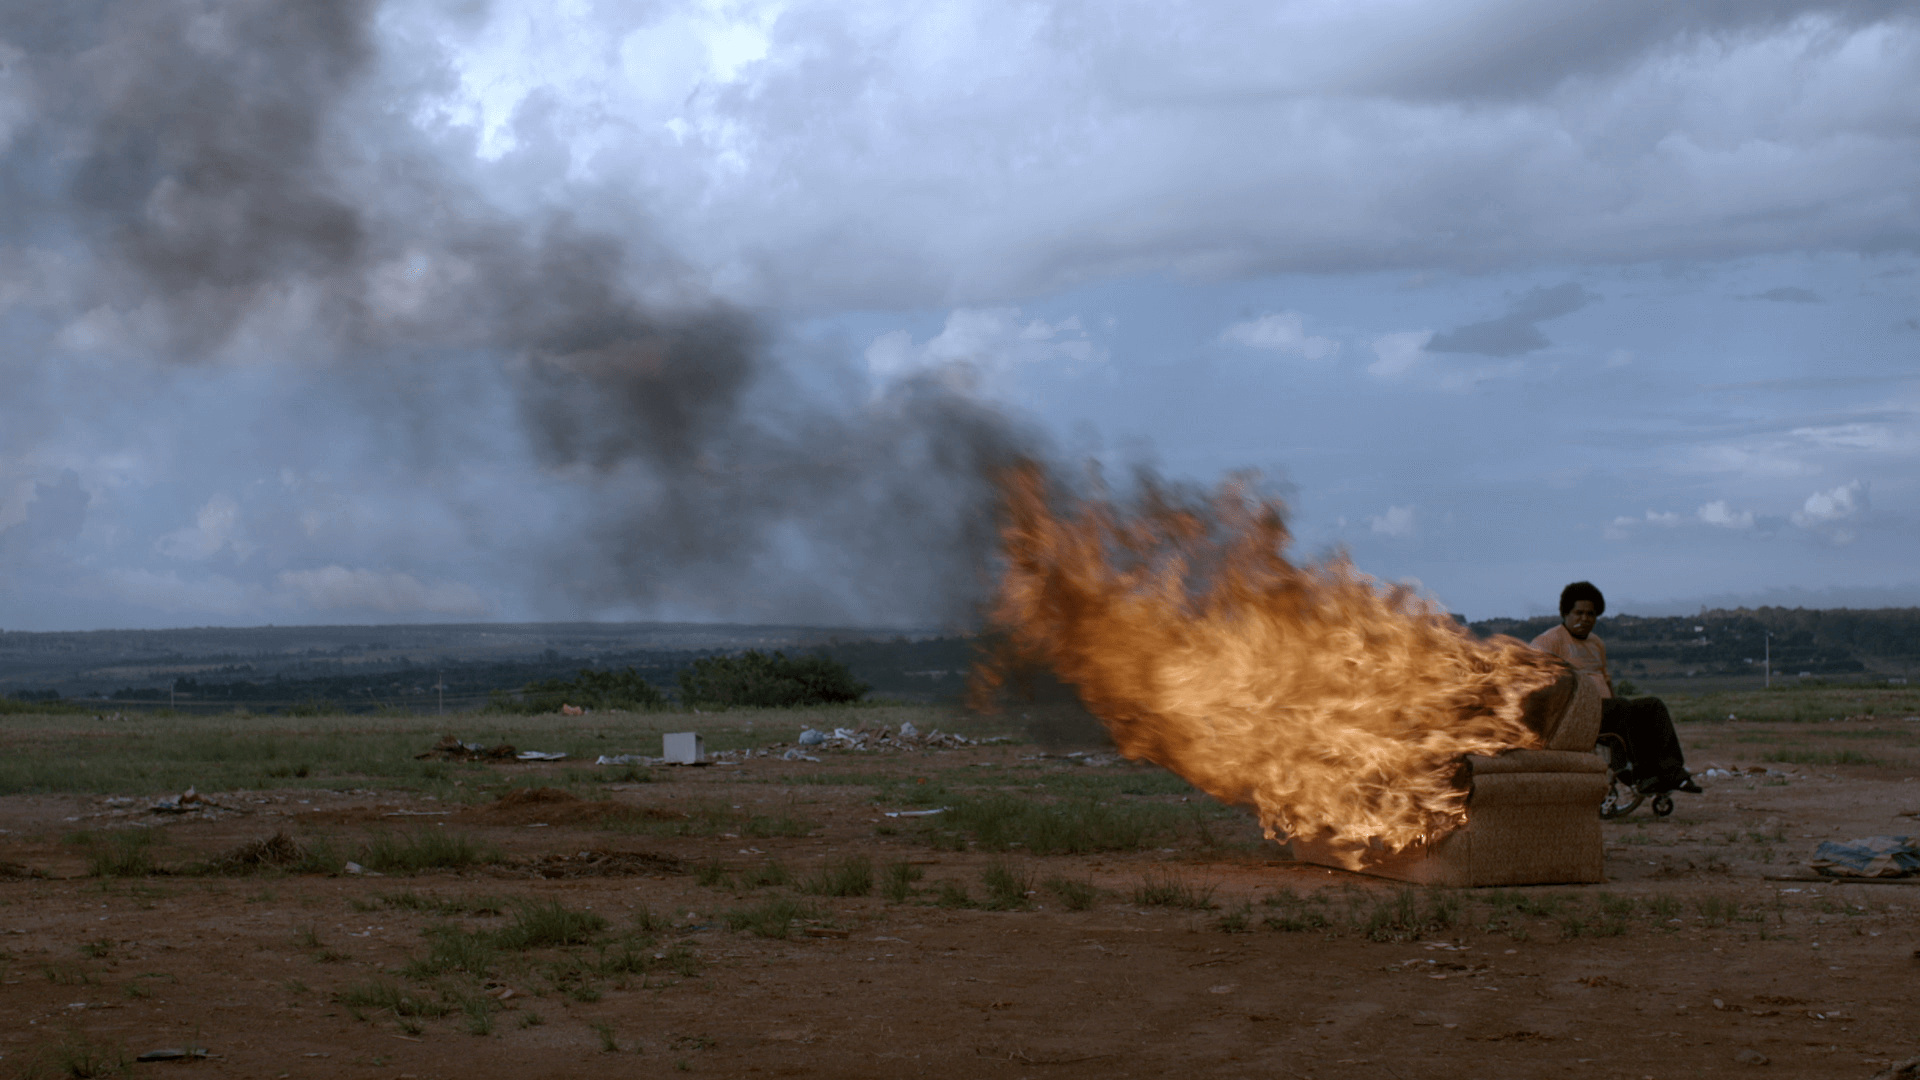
[{"x": 1337, "y": 707}]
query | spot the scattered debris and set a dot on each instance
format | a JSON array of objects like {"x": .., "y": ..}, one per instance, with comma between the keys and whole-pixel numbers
[
  {"x": 541, "y": 755},
  {"x": 794, "y": 754},
  {"x": 572, "y": 710},
  {"x": 810, "y": 737},
  {"x": 1872, "y": 857},
  {"x": 915, "y": 813},
  {"x": 354, "y": 868},
  {"x": 623, "y": 759},
  {"x": 189, "y": 802},
  {"x": 452, "y": 749}
]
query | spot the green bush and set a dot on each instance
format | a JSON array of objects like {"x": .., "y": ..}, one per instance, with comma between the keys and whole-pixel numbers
[
  {"x": 590, "y": 689},
  {"x": 768, "y": 681}
]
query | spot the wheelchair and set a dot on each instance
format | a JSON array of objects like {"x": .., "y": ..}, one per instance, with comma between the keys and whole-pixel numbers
[{"x": 1623, "y": 798}]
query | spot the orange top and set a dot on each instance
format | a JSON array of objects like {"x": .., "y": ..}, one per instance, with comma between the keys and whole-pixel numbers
[{"x": 1588, "y": 657}]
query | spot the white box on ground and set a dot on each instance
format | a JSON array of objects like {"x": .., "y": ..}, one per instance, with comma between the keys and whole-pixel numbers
[{"x": 683, "y": 748}]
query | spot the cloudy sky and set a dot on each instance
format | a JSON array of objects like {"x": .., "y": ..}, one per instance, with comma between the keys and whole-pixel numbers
[{"x": 437, "y": 311}]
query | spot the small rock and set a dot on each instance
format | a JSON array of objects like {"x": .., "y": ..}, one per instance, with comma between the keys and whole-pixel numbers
[{"x": 1751, "y": 1056}]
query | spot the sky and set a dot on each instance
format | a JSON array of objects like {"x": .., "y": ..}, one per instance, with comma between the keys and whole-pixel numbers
[{"x": 438, "y": 311}]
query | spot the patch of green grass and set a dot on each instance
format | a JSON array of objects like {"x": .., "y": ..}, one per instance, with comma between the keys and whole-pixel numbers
[
  {"x": 123, "y": 853},
  {"x": 769, "y": 873},
  {"x": 952, "y": 894},
  {"x": 397, "y": 853},
  {"x": 609, "y": 1043},
  {"x": 1718, "y": 910},
  {"x": 850, "y": 876},
  {"x": 1407, "y": 915},
  {"x": 999, "y": 822},
  {"x": 453, "y": 949},
  {"x": 1074, "y": 894},
  {"x": 761, "y": 826},
  {"x": 770, "y": 918},
  {"x": 1236, "y": 921},
  {"x": 79, "y": 1056},
  {"x": 897, "y": 880},
  {"x": 1006, "y": 886},
  {"x": 542, "y": 923},
  {"x": 713, "y": 874},
  {"x": 1163, "y": 888},
  {"x": 390, "y": 996}
]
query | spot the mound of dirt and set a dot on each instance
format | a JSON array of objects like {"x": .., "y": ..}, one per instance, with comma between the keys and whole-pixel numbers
[
  {"x": 588, "y": 864},
  {"x": 278, "y": 851}
]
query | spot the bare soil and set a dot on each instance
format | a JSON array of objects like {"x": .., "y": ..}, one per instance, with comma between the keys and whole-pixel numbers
[{"x": 1693, "y": 960}]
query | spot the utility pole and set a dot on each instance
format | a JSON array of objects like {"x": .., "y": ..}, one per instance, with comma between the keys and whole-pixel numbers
[
  {"x": 440, "y": 684},
  {"x": 1769, "y": 684}
]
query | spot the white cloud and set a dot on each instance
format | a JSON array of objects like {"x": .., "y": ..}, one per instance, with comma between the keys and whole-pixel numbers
[
  {"x": 336, "y": 588},
  {"x": 1403, "y": 358},
  {"x": 1833, "y": 513},
  {"x": 980, "y": 350},
  {"x": 1397, "y": 521},
  {"x": 1718, "y": 513},
  {"x": 1282, "y": 333}
]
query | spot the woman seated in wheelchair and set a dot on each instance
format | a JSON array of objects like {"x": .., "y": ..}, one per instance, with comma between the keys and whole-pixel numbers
[{"x": 1638, "y": 730}]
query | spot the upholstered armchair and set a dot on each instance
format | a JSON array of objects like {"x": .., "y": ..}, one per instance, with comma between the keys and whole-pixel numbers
[{"x": 1533, "y": 815}]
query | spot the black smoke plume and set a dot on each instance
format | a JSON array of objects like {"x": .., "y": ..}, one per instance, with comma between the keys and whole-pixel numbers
[{"x": 226, "y": 185}]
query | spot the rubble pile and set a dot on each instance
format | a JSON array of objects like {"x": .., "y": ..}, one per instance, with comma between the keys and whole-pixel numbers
[{"x": 452, "y": 749}]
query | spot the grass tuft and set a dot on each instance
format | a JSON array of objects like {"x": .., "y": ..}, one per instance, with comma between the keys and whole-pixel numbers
[
  {"x": 851, "y": 876},
  {"x": 770, "y": 918},
  {"x": 1162, "y": 888}
]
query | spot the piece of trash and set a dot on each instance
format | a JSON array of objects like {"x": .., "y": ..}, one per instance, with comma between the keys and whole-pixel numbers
[
  {"x": 810, "y": 737},
  {"x": 182, "y": 1054},
  {"x": 914, "y": 813},
  {"x": 1871, "y": 857},
  {"x": 185, "y": 802},
  {"x": 794, "y": 754},
  {"x": 450, "y": 748},
  {"x": 572, "y": 710},
  {"x": 541, "y": 755},
  {"x": 354, "y": 868},
  {"x": 621, "y": 759},
  {"x": 683, "y": 748},
  {"x": 908, "y": 731}
]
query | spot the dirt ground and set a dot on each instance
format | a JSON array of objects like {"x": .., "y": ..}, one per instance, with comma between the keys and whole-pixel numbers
[{"x": 1693, "y": 960}]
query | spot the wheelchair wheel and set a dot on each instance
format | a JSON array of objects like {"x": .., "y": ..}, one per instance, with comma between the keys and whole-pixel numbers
[
  {"x": 1662, "y": 805},
  {"x": 1621, "y": 800}
]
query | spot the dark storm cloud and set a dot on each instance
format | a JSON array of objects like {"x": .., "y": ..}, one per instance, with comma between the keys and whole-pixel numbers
[
  {"x": 1505, "y": 49},
  {"x": 243, "y": 181},
  {"x": 1517, "y": 331}
]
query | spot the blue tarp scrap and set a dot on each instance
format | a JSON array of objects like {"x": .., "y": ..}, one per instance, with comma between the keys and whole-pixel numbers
[{"x": 1874, "y": 856}]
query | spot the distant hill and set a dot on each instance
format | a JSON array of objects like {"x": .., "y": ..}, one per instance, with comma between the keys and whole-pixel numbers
[
  {"x": 414, "y": 668},
  {"x": 1717, "y": 648}
]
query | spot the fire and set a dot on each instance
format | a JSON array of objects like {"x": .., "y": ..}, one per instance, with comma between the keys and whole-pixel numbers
[{"x": 1338, "y": 708}]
